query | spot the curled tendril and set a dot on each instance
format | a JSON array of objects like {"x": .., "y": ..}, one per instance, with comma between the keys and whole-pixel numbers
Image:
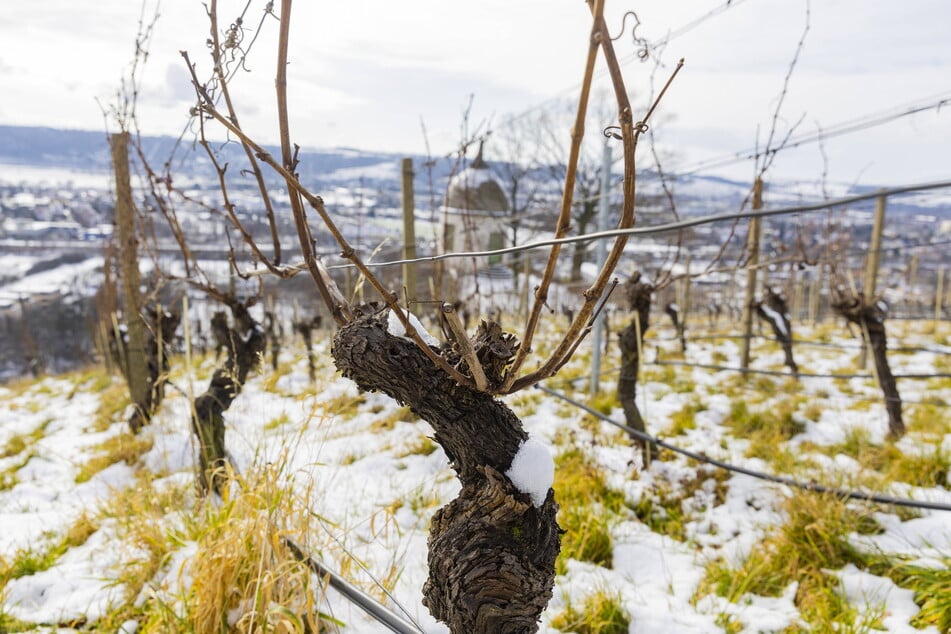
[
  {"x": 643, "y": 46},
  {"x": 609, "y": 132},
  {"x": 641, "y": 127}
]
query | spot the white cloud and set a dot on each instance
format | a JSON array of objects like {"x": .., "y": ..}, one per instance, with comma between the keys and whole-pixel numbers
[{"x": 363, "y": 73}]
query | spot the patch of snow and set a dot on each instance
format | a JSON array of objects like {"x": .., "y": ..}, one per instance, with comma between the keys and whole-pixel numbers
[
  {"x": 758, "y": 613},
  {"x": 532, "y": 470},
  {"x": 74, "y": 587},
  {"x": 871, "y": 593},
  {"x": 395, "y": 327},
  {"x": 776, "y": 318}
]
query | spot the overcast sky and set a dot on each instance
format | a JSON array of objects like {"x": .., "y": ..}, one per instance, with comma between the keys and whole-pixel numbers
[{"x": 363, "y": 73}]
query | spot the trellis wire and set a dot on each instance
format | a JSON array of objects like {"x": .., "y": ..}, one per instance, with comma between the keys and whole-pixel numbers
[
  {"x": 805, "y": 486},
  {"x": 663, "y": 228}
]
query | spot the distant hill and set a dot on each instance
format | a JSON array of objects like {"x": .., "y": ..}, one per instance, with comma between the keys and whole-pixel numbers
[
  {"x": 85, "y": 150},
  {"x": 346, "y": 167}
]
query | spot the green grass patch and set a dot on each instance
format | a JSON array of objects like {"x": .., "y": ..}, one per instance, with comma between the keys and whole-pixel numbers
[
  {"x": 604, "y": 402},
  {"x": 29, "y": 561},
  {"x": 932, "y": 588},
  {"x": 113, "y": 401},
  {"x": 680, "y": 382},
  {"x": 587, "y": 510},
  {"x": 277, "y": 421},
  {"x": 926, "y": 469},
  {"x": 8, "y": 477},
  {"x": 388, "y": 422},
  {"x": 18, "y": 443},
  {"x": 92, "y": 379},
  {"x": 601, "y": 613},
  {"x": 423, "y": 446},
  {"x": 684, "y": 419},
  {"x": 766, "y": 430},
  {"x": 813, "y": 540},
  {"x": 344, "y": 406},
  {"x": 932, "y": 420}
]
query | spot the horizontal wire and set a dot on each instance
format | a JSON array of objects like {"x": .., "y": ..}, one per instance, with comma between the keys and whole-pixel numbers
[
  {"x": 846, "y": 398},
  {"x": 663, "y": 228},
  {"x": 804, "y": 375},
  {"x": 804, "y": 342},
  {"x": 840, "y": 129},
  {"x": 603, "y": 72},
  {"x": 806, "y": 486}
]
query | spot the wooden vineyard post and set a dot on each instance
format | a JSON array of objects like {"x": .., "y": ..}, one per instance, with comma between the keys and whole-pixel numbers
[
  {"x": 752, "y": 263},
  {"x": 409, "y": 230},
  {"x": 939, "y": 296},
  {"x": 872, "y": 263},
  {"x": 134, "y": 359}
]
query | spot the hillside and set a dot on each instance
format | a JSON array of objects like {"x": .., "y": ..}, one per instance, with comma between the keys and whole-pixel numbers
[{"x": 102, "y": 531}]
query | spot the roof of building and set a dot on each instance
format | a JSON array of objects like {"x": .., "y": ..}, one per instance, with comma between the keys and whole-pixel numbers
[{"x": 475, "y": 189}]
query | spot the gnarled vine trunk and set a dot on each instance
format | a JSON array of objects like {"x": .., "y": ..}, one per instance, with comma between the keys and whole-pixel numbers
[
  {"x": 775, "y": 312},
  {"x": 244, "y": 345},
  {"x": 305, "y": 328},
  {"x": 631, "y": 343},
  {"x": 491, "y": 551},
  {"x": 673, "y": 311},
  {"x": 160, "y": 327},
  {"x": 870, "y": 318}
]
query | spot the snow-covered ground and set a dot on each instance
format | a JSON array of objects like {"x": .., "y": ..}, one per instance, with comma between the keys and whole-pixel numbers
[{"x": 362, "y": 465}]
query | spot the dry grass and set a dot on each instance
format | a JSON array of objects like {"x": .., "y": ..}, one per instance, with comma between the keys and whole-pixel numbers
[
  {"x": 242, "y": 574},
  {"x": 125, "y": 447},
  {"x": 113, "y": 401}
]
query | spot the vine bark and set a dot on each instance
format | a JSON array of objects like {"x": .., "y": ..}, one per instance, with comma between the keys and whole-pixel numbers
[{"x": 491, "y": 551}]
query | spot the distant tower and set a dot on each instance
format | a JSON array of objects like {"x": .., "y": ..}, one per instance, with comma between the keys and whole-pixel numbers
[{"x": 475, "y": 215}]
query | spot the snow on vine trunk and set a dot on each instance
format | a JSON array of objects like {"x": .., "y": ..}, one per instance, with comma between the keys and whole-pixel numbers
[{"x": 492, "y": 549}]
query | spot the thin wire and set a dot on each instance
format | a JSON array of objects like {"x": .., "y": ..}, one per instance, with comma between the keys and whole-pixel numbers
[
  {"x": 806, "y": 486},
  {"x": 846, "y": 127},
  {"x": 664, "y": 228},
  {"x": 365, "y": 602},
  {"x": 690, "y": 26},
  {"x": 381, "y": 613},
  {"x": 805, "y": 342},
  {"x": 844, "y": 398},
  {"x": 805, "y": 375},
  {"x": 364, "y": 568},
  {"x": 602, "y": 72}
]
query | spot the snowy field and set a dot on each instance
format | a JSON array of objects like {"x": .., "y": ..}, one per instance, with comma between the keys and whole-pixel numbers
[{"x": 100, "y": 531}]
